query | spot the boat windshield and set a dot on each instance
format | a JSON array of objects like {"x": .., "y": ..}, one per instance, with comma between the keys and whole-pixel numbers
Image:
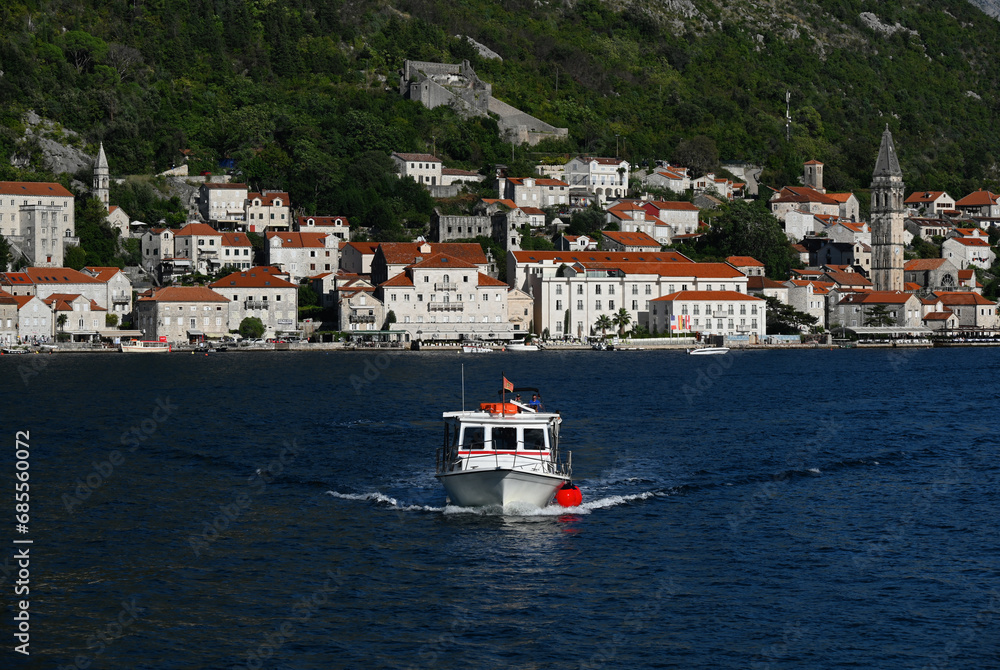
[
  {"x": 504, "y": 439},
  {"x": 473, "y": 437},
  {"x": 534, "y": 439}
]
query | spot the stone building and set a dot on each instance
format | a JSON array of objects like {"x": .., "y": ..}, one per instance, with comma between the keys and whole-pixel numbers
[
  {"x": 182, "y": 314},
  {"x": 260, "y": 292},
  {"x": 887, "y": 214}
]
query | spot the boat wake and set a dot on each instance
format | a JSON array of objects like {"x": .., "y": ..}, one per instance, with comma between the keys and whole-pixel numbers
[{"x": 516, "y": 509}]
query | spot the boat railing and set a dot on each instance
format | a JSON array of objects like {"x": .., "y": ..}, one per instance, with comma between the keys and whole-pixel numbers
[{"x": 447, "y": 459}]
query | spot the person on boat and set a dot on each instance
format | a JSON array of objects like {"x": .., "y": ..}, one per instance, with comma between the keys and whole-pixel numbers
[
  {"x": 517, "y": 398},
  {"x": 536, "y": 402}
]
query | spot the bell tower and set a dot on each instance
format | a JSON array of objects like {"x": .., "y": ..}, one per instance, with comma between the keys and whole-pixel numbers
[
  {"x": 102, "y": 179},
  {"x": 887, "y": 218}
]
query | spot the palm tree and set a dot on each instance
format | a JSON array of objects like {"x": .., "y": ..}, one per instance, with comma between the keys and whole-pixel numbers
[
  {"x": 603, "y": 322},
  {"x": 621, "y": 319}
]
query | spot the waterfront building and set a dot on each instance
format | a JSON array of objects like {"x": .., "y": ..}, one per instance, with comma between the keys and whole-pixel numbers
[
  {"x": 260, "y": 292},
  {"x": 727, "y": 313},
  {"x": 182, "y": 314}
]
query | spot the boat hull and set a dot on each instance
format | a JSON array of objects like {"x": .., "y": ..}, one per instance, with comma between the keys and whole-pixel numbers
[
  {"x": 514, "y": 346},
  {"x": 709, "y": 351},
  {"x": 502, "y": 486}
]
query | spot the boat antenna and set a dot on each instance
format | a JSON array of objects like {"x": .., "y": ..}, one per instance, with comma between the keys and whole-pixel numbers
[{"x": 463, "y": 387}]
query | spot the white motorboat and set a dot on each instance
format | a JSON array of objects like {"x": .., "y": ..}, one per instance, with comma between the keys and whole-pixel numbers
[
  {"x": 521, "y": 345},
  {"x": 502, "y": 453},
  {"x": 476, "y": 349},
  {"x": 708, "y": 351},
  {"x": 144, "y": 347}
]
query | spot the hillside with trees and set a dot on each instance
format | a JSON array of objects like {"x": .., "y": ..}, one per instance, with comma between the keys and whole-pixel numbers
[{"x": 302, "y": 95}]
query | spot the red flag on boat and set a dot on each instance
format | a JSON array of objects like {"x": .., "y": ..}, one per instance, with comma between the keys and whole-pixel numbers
[{"x": 508, "y": 385}]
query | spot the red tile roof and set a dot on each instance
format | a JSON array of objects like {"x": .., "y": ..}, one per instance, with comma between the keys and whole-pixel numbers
[
  {"x": 405, "y": 253},
  {"x": 570, "y": 257},
  {"x": 962, "y": 298},
  {"x": 938, "y": 316},
  {"x": 197, "y": 229},
  {"x": 103, "y": 274},
  {"x": 261, "y": 276},
  {"x": 34, "y": 188},
  {"x": 399, "y": 280},
  {"x": 969, "y": 241},
  {"x": 923, "y": 264},
  {"x": 235, "y": 240},
  {"x": 539, "y": 181},
  {"x": 709, "y": 295},
  {"x": 300, "y": 240},
  {"x": 486, "y": 280},
  {"x": 185, "y": 294},
  {"x": 635, "y": 239},
  {"x": 759, "y": 283},
  {"x": 978, "y": 198},
  {"x": 364, "y": 248},
  {"x": 803, "y": 194},
  {"x": 840, "y": 197},
  {"x": 213, "y": 186},
  {"x": 744, "y": 261},
  {"x": 877, "y": 297},
  {"x": 923, "y": 197},
  {"x": 59, "y": 276},
  {"x": 425, "y": 158},
  {"x": 443, "y": 261},
  {"x": 267, "y": 199},
  {"x": 674, "y": 206},
  {"x": 323, "y": 221}
]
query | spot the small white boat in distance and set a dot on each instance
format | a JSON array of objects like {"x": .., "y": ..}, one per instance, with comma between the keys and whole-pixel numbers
[
  {"x": 521, "y": 345},
  {"x": 502, "y": 453},
  {"x": 476, "y": 349},
  {"x": 708, "y": 351},
  {"x": 144, "y": 347}
]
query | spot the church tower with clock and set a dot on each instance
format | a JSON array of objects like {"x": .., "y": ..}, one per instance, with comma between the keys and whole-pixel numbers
[{"x": 887, "y": 218}]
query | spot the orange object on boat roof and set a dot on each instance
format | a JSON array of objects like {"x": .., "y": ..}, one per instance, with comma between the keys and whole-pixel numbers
[{"x": 499, "y": 407}]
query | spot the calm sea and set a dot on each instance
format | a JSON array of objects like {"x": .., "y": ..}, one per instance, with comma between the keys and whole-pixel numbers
[{"x": 776, "y": 509}]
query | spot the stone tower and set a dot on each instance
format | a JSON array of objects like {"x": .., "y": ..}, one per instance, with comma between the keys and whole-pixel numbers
[
  {"x": 887, "y": 218},
  {"x": 102, "y": 179},
  {"x": 812, "y": 175}
]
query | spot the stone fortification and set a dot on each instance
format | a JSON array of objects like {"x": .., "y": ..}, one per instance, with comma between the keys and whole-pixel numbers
[{"x": 436, "y": 84}]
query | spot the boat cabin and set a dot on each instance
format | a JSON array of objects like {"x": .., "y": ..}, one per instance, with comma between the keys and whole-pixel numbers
[{"x": 506, "y": 434}]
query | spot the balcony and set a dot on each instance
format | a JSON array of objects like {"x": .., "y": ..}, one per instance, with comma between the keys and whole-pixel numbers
[
  {"x": 361, "y": 318},
  {"x": 255, "y": 304},
  {"x": 445, "y": 306},
  {"x": 121, "y": 299},
  {"x": 722, "y": 315},
  {"x": 442, "y": 286}
]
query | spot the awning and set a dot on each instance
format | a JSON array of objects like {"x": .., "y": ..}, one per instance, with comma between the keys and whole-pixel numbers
[
  {"x": 195, "y": 333},
  {"x": 114, "y": 332}
]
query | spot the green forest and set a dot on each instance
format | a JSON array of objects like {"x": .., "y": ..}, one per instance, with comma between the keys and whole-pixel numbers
[{"x": 302, "y": 95}]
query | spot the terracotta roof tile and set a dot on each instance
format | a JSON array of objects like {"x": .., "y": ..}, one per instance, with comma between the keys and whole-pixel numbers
[{"x": 34, "y": 188}]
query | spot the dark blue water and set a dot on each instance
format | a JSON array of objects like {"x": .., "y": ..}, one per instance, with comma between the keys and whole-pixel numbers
[{"x": 809, "y": 509}]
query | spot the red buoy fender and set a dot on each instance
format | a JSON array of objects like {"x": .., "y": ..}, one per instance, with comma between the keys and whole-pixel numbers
[{"x": 569, "y": 496}]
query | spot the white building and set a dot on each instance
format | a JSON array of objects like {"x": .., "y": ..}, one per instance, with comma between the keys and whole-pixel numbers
[
  {"x": 259, "y": 292},
  {"x": 423, "y": 168},
  {"x": 118, "y": 290},
  {"x": 929, "y": 203},
  {"x": 200, "y": 245},
  {"x": 573, "y": 289},
  {"x": 604, "y": 178},
  {"x": 37, "y": 218},
  {"x": 302, "y": 255},
  {"x": 182, "y": 314},
  {"x": 710, "y": 312},
  {"x": 268, "y": 210},
  {"x": 446, "y": 298},
  {"x": 237, "y": 251},
  {"x": 223, "y": 203},
  {"x": 338, "y": 226},
  {"x": 966, "y": 251},
  {"x": 670, "y": 177},
  {"x": 34, "y": 319},
  {"x": 533, "y": 191}
]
